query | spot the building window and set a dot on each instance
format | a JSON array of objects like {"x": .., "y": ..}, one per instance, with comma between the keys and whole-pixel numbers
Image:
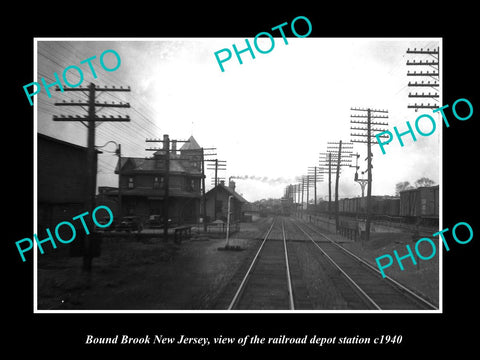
[
  {"x": 190, "y": 184},
  {"x": 130, "y": 182},
  {"x": 158, "y": 182}
]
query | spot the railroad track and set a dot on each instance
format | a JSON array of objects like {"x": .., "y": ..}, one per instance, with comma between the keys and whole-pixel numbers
[
  {"x": 267, "y": 284},
  {"x": 366, "y": 281}
]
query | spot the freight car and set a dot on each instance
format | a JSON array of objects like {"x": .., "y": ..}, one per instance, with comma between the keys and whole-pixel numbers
[
  {"x": 420, "y": 206},
  {"x": 380, "y": 205},
  {"x": 420, "y": 203}
]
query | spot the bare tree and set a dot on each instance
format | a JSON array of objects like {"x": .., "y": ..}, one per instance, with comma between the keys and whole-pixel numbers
[
  {"x": 424, "y": 182},
  {"x": 401, "y": 186}
]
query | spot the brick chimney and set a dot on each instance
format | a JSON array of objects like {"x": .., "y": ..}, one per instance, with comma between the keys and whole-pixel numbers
[
  {"x": 231, "y": 185},
  {"x": 165, "y": 142}
]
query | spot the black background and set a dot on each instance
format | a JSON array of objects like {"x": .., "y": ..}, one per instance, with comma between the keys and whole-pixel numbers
[{"x": 63, "y": 335}]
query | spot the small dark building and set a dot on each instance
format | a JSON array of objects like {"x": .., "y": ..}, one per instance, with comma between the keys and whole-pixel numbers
[
  {"x": 217, "y": 203},
  {"x": 61, "y": 181}
]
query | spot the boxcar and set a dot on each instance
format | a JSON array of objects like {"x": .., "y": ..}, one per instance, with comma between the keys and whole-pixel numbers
[{"x": 421, "y": 202}]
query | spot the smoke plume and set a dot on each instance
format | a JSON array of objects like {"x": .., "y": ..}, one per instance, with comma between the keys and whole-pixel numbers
[{"x": 265, "y": 179}]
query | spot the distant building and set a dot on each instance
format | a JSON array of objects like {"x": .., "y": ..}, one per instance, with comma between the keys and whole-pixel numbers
[
  {"x": 217, "y": 203},
  {"x": 142, "y": 183},
  {"x": 61, "y": 181},
  {"x": 251, "y": 212}
]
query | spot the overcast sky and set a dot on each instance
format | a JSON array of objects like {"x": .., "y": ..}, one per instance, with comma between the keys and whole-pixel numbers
[{"x": 269, "y": 118}]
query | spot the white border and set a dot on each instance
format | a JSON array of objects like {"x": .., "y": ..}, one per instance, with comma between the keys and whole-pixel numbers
[{"x": 35, "y": 251}]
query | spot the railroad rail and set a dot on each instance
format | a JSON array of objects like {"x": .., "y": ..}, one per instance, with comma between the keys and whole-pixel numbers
[
  {"x": 376, "y": 292},
  {"x": 267, "y": 283}
]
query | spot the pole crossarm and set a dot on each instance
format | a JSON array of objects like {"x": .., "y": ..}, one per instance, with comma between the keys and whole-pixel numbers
[
  {"x": 372, "y": 136},
  {"x": 422, "y": 95},
  {"x": 422, "y": 63},
  {"x": 368, "y": 109},
  {"x": 422, "y": 51},
  {"x": 86, "y": 118},
  {"x": 421, "y": 73},
  {"x": 366, "y": 142},
  {"x": 366, "y": 129},
  {"x": 162, "y": 140},
  {"x": 371, "y": 117},
  {"x": 425, "y": 84},
  {"x": 422, "y": 106}
]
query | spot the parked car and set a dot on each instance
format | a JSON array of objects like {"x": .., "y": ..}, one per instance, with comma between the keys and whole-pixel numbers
[
  {"x": 129, "y": 223},
  {"x": 104, "y": 221},
  {"x": 154, "y": 221},
  {"x": 157, "y": 221}
]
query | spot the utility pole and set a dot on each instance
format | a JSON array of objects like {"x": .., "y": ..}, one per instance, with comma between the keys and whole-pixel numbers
[
  {"x": 297, "y": 198},
  {"x": 343, "y": 159},
  {"x": 204, "y": 202},
  {"x": 204, "y": 199},
  {"x": 425, "y": 59},
  {"x": 90, "y": 121},
  {"x": 317, "y": 174},
  {"x": 219, "y": 165},
  {"x": 308, "y": 189},
  {"x": 166, "y": 154},
  {"x": 119, "y": 154},
  {"x": 166, "y": 146},
  {"x": 326, "y": 162},
  {"x": 303, "y": 189},
  {"x": 298, "y": 192},
  {"x": 367, "y": 138}
]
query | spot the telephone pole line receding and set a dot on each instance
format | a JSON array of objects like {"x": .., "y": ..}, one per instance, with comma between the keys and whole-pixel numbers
[
  {"x": 90, "y": 119},
  {"x": 367, "y": 138}
]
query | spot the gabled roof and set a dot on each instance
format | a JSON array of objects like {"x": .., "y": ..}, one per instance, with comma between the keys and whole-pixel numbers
[{"x": 230, "y": 191}]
